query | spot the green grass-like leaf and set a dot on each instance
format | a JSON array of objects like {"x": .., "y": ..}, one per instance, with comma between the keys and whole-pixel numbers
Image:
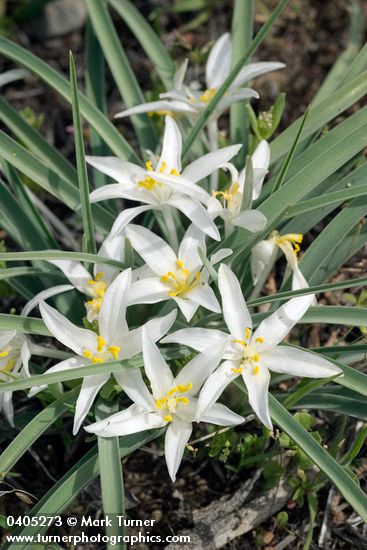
[{"x": 89, "y": 244}]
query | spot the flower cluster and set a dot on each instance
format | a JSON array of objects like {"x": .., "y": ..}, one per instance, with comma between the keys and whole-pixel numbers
[{"x": 175, "y": 269}]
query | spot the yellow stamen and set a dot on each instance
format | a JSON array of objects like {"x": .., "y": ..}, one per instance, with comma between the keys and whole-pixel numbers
[
  {"x": 173, "y": 398},
  {"x": 255, "y": 357},
  {"x": 294, "y": 239},
  {"x": 174, "y": 172},
  {"x": 208, "y": 95},
  {"x": 114, "y": 351},
  {"x": 180, "y": 282},
  {"x": 259, "y": 340},
  {"x": 238, "y": 370},
  {"x": 101, "y": 343},
  {"x": 256, "y": 369},
  {"x": 163, "y": 167},
  {"x": 149, "y": 166},
  {"x": 4, "y": 354}
]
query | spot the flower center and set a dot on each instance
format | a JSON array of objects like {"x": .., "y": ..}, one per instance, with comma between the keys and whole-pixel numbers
[
  {"x": 229, "y": 195},
  {"x": 104, "y": 352},
  {"x": 167, "y": 404},
  {"x": 9, "y": 364},
  {"x": 208, "y": 95},
  {"x": 149, "y": 183},
  {"x": 250, "y": 353},
  {"x": 98, "y": 290},
  {"x": 181, "y": 281},
  {"x": 292, "y": 239}
]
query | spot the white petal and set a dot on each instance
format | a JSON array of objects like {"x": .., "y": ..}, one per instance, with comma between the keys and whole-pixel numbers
[
  {"x": 70, "y": 363},
  {"x": 154, "y": 106},
  {"x": 7, "y": 407},
  {"x": 132, "y": 383},
  {"x": 252, "y": 220},
  {"x": 177, "y": 436},
  {"x": 120, "y": 170},
  {"x": 44, "y": 295},
  {"x": 26, "y": 353},
  {"x": 157, "y": 370},
  {"x": 182, "y": 185},
  {"x": 261, "y": 255},
  {"x": 261, "y": 156},
  {"x": 235, "y": 312},
  {"x": 196, "y": 338},
  {"x": 187, "y": 307},
  {"x": 257, "y": 388},
  {"x": 206, "y": 165},
  {"x": 220, "y": 255},
  {"x": 221, "y": 415},
  {"x": 252, "y": 70},
  {"x": 197, "y": 214},
  {"x": 156, "y": 328},
  {"x": 214, "y": 207},
  {"x": 179, "y": 75},
  {"x": 5, "y": 337},
  {"x": 188, "y": 252},
  {"x": 228, "y": 100},
  {"x": 258, "y": 180},
  {"x": 215, "y": 385},
  {"x": 148, "y": 291},
  {"x": 201, "y": 367},
  {"x": 73, "y": 337},
  {"x": 88, "y": 392},
  {"x": 204, "y": 296},
  {"x": 126, "y": 217},
  {"x": 117, "y": 190},
  {"x": 276, "y": 327},
  {"x": 112, "y": 247},
  {"x": 219, "y": 62},
  {"x": 154, "y": 250},
  {"x": 112, "y": 315},
  {"x": 126, "y": 422},
  {"x": 75, "y": 272},
  {"x": 172, "y": 147},
  {"x": 299, "y": 363}
]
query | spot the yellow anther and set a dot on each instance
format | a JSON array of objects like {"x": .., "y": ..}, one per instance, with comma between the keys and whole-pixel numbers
[
  {"x": 163, "y": 167},
  {"x": 99, "y": 275},
  {"x": 180, "y": 282},
  {"x": 4, "y": 354},
  {"x": 168, "y": 418},
  {"x": 208, "y": 95},
  {"x": 256, "y": 369},
  {"x": 174, "y": 172},
  {"x": 149, "y": 183},
  {"x": 237, "y": 341},
  {"x": 259, "y": 340},
  {"x": 173, "y": 398},
  {"x": 237, "y": 370},
  {"x": 255, "y": 357},
  {"x": 96, "y": 359},
  {"x": 149, "y": 166},
  {"x": 182, "y": 400},
  {"x": 183, "y": 389},
  {"x": 88, "y": 354},
  {"x": 248, "y": 333},
  {"x": 101, "y": 343},
  {"x": 95, "y": 304},
  {"x": 114, "y": 351},
  {"x": 294, "y": 239}
]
